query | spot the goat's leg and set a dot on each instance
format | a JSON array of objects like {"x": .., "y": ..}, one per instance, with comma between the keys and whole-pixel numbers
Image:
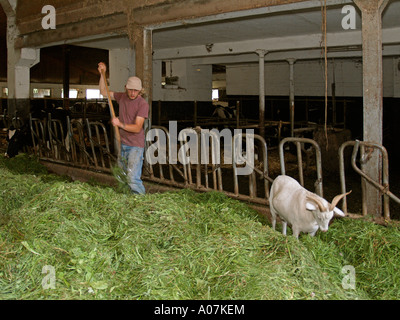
[
  {"x": 312, "y": 234},
  {"x": 284, "y": 225},
  {"x": 296, "y": 232},
  {"x": 273, "y": 217}
]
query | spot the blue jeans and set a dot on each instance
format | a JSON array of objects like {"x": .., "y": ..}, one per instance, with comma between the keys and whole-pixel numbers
[{"x": 131, "y": 162}]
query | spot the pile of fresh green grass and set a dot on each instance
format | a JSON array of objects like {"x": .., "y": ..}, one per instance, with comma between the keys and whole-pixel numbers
[{"x": 105, "y": 244}]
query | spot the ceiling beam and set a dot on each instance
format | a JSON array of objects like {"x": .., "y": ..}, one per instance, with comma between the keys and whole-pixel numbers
[
  {"x": 9, "y": 7},
  {"x": 62, "y": 34},
  {"x": 169, "y": 14},
  {"x": 80, "y": 19},
  {"x": 303, "y": 42},
  {"x": 313, "y": 54},
  {"x": 71, "y": 14}
]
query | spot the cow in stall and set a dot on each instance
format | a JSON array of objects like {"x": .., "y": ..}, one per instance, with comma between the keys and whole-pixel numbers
[
  {"x": 17, "y": 138},
  {"x": 20, "y": 137},
  {"x": 223, "y": 115},
  {"x": 223, "y": 111}
]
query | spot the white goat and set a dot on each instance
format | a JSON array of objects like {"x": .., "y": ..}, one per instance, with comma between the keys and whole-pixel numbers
[{"x": 303, "y": 210}]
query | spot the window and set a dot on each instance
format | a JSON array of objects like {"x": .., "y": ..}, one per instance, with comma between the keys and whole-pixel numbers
[
  {"x": 93, "y": 94},
  {"x": 215, "y": 94},
  {"x": 73, "y": 93},
  {"x": 41, "y": 93}
]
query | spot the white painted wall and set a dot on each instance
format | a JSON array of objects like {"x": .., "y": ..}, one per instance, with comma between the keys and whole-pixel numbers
[
  {"x": 195, "y": 82},
  {"x": 56, "y": 88},
  {"x": 309, "y": 78}
]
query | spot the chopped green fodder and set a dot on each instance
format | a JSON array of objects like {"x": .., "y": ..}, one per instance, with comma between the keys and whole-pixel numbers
[{"x": 104, "y": 244}]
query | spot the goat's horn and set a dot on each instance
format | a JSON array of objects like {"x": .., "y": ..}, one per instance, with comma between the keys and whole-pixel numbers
[
  {"x": 317, "y": 200},
  {"x": 337, "y": 199}
]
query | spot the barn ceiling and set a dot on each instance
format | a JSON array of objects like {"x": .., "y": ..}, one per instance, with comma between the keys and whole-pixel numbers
[
  {"x": 262, "y": 28},
  {"x": 247, "y": 28},
  {"x": 284, "y": 28}
]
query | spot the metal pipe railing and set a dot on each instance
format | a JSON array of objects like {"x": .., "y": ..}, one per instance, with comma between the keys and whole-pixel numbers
[
  {"x": 88, "y": 146},
  {"x": 38, "y": 133},
  {"x": 383, "y": 188},
  {"x": 83, "y": 145},
  {"x": 59, "y": 149},
  {"x": 194, "y": 168},
  {"x": 77, "y": 142},
  {"x": 299, "y": 142},
  {"x": 99, "y": 144}
]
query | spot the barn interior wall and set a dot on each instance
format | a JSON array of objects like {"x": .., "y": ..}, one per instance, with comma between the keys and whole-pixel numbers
[
  {"x": 56, "y": 89},
  {"x": 309, "y": 78},
  {"x": 396, "y": 77},
  {"x": 194, "y": 82}
]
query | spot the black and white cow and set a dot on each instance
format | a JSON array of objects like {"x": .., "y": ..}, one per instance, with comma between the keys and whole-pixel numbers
[
  {"x": 18, "y": 138},
  {"x": 223, "y": 112}
]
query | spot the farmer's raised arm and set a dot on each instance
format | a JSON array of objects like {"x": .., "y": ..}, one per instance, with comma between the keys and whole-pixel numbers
[
  {"x": 102, "y": 67},
  {"x": 131, "y": 127}
]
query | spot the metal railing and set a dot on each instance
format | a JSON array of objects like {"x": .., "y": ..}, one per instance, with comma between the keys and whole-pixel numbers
[
  {"x": 300, "y": 142},
  {"x": 77, "y": 141},
  {"x": 383, "y": 188},
  {"x": 57, "y": 139},
  {"x": 77, "y": 144},
  {"x": 197, "y": 172},
  {"x": 99, "y": 145},
  {"x": 87, "y": 146},
  {"x": 39, "y": 142}
]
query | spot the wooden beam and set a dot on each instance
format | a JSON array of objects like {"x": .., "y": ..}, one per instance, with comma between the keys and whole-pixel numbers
[
  {"x": 113, "y": 23},
  {"x": 68, "y": 14},
  {"x": 177, "y": 10}
]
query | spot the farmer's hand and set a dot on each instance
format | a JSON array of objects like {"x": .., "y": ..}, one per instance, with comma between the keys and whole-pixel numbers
[
  {"x": 115, "y": 122},
  {"x": 102, "y": 67}
]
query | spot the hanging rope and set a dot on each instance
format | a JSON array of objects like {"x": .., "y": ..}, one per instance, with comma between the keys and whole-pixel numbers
[{"x": 324, "y": 41}]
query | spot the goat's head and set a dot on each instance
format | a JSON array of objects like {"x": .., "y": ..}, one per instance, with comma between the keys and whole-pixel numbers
[{"x": 323, "y": 211}]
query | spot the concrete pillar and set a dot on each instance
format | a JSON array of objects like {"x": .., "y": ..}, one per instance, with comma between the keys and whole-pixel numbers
[
  {"x": 261, "y": 67},
  {"x": 19, "y": 62},
  {"x": 121, "y": 67},
  {"x": 66, "y": 74},
  {"x": 372, "y": 93},
  {"x": 396, "y": 77},
  {"x": 142, "y": 41},
  {"x": 291, "y": 62},
  {"x": 18, "y": 78}
]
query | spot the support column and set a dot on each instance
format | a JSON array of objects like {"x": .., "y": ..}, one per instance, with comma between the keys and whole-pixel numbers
[
  {"x": 142, "y": 40},
  {"x": 122, "y": 66},
  {"x": 19, "y": 62},
  {"x": 291, "y": 62},
  {"x": 396, "y": 75},
  {"x": 261, "y": 61},
  {"x": 372, "y": 93},
  {"x": 66, "y": 74}
]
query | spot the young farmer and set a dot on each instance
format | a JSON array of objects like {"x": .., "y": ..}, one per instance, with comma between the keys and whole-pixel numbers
[{"x": 133, "y": 110}]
